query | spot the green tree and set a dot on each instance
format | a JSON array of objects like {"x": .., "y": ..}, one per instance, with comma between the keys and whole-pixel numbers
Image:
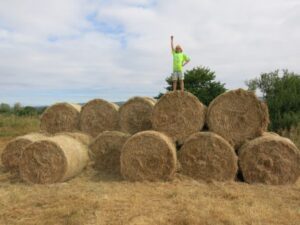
[
  {"x": 5, "y": 108},
  {"x": 17, "y": 107},
  {"x": 200, "y": 81},
  {"x": 28, "y": 111},
  {"x": 282, "y": 95}
]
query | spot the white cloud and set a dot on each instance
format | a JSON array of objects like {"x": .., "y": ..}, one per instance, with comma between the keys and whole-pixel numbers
[{"x": 124, "y": 45}]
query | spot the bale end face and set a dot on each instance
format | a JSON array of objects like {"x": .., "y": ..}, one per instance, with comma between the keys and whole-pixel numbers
[
  {"x": 106, "y": 151},
  {"x": 99, "y": 115},
  {"x": 178, "y": 114},
  {"x": 270, "y": 159},
  {"x": 207, "y": 156},
  {"x": 135, "y": 115},
  {"x": 237, "y": 116},
  {"x": 13, "y": 151},
  {"x": 61, "y": 117},
  {"x": 148, "y": 155}
]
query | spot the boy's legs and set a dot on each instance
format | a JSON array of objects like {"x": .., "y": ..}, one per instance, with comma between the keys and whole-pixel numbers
[
  {"x": 174, "y": 85},
  {"x": 174, "y": 78},
  {"x": 182, "y": 85}
]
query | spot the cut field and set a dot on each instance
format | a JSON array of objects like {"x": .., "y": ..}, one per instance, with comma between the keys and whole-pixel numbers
[{"x": 93, "y": 198}]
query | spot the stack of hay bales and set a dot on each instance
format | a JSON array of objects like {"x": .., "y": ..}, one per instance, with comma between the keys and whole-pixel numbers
[
  {"x": 143, "y": 138},
  {"x": 242, "y": 119}
]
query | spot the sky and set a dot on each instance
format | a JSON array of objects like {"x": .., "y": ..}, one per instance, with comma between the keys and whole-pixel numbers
[{"x": 78, "y": 50}]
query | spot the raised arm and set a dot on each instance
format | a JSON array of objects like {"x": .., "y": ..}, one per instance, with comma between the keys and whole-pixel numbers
[{"x": 172, "y": 45}]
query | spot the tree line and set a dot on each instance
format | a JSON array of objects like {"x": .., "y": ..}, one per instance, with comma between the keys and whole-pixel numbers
[{"x": 19, "y": 110}]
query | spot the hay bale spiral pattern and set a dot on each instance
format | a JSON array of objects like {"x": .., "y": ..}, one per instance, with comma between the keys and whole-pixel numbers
[
  {"x": 270, "y": 159},
  {"x": 207, "y": 156},
  {"x": 148, "y": 155}
]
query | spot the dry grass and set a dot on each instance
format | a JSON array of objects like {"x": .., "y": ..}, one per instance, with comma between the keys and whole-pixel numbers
[
  {"x": 11, "y": 125},
  {"x": 93, "y": 198}
]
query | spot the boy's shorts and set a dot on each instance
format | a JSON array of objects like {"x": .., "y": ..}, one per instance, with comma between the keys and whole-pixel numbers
[{"x": 177, "y": 75}]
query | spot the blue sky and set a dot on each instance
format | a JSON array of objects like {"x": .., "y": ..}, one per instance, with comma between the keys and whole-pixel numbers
[{"x": 77, "y": 50}]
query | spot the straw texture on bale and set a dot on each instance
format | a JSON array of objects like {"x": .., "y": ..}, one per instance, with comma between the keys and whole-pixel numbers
[
  {"x": 178, "y": 114},
  {"x": 148, "y": 155},
  {"x": 207, "y": 156},
  {"x": 99, "y": 115},
  {"x": 270, "y": 133},
  {"x": 135, "y": 115},
  {"x": 61, "y": 117},
  {"x": 270, "y": 160},
  {"x": 106, "y": 151},
  {"x": 79, "y": 136},
  {"x": 12, "y": 153},
  {"x": 237, "y": 116},
  {"x": 52, "y": 160}
]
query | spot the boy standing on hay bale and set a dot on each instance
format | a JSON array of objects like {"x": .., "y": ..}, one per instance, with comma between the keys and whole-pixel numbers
[{"x": 179, "y": 60}]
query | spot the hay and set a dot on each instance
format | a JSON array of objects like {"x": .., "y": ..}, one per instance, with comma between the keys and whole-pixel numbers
[
  {"x": 148, "y": 155},
  {"x": 270, "y": 160},
  {"x": 106, "y": 151},
  {"x": 135, "y": 115},
  {"x": 61, "y": 117},
  {"x": 178, "y": 114},
  {"x": 270, "y": 133},
  {"x": 12, "y": 153},
  {"x": 237, "y": 116},
  {"x": 99, "y": 115},
  {"x": 207, "y": 156},
  {"x": 52, "y": 160},
  {"x": 79, "y": 136}
]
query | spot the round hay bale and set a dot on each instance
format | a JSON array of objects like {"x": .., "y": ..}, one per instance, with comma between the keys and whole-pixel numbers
[
  {"x": 237, "y": 116},
  {"x": 135, "y": 115},
  {"x": 12, "y": 153},
  {"x": 52, "y": 160},
  {"x": 178, "y": 114},
  {"x": 61, "y": 117},
  {"x": 270, "y": 160},
  {"x": 79, "y": 136},
  {"x": 106, "y": 151},
  {"x": 99, "y": 115},
  {"x": 207, "y": 156},
  {"x": 148, "y": 155}
]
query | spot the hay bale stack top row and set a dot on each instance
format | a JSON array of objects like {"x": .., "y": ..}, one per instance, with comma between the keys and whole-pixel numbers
[{"x": 236, "y": 115}]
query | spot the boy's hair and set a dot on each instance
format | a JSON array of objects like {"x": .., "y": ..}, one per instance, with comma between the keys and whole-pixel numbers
[{"x": 178, "y": 49}]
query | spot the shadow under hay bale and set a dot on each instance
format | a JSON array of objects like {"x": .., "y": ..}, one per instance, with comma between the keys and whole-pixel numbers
[
  {"x": 106, "y": 151},
  {"x": 207, "y": 156},
  {"x": 237, "y": 116},
  {"x": 52, "y": 160},
  {"x": 270, "y": 159},
  {"x": 99, "y": 115},
  {"x": 13, "y": 151},
  {"x": 135, "y": 115},
  {"x": 178, "y": 114},
  {"x": 61, "y": 117},
  {"x": 148, "y": 155}
]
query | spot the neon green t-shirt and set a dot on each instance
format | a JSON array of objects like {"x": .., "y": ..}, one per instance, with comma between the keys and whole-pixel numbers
[{"x": 178, "y": 60}]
